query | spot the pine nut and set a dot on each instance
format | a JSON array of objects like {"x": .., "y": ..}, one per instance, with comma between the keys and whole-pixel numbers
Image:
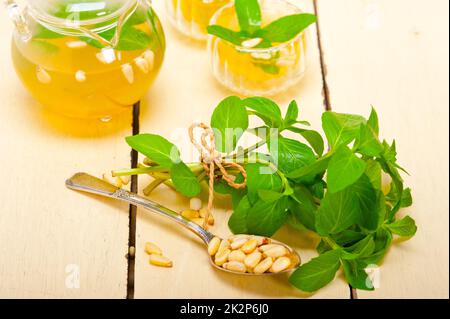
[
  {"x": 236, "y": 255},
  {"x": 262, "y": 240},
  {"x": 263, "y": 248},
  {"x": 213, "y": 246},
  {"x": 276, "y": 252},
  {"x": 160, "y": 261},
  {"x": 235, "y": 266},
  {"x": 203, "y": 212},
  {"x": 152, "y": 249},
  {"x": 195, "y": 203},
  {"x": 239, "y": 236},
  {"x": 238, "y": 243},
  {"x": 221, "y": 257},
  {"x": 280, "y": 264},
  {"x": 263, "y": 266},
  {"x": 224, "y": 244},
  {"x": 125, "y": 179},
  {"x": 249, "y": 246},
  {"x": 253, "y": 259},
  {"x": 211, "y": 220},
  {"x": 190, "y": 214},
  {"x": 112, "y": 180}
]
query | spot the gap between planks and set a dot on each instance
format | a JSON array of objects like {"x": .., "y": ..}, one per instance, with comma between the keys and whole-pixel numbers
[
  {"x": 353, "y": 294},
  {"x": 133, "y": 209}
]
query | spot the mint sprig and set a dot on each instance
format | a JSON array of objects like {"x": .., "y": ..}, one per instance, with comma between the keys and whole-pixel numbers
[{"x": 336, "y": 194}]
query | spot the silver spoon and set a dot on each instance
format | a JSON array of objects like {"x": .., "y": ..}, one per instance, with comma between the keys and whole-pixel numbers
[{"x": 90, "y": 184}]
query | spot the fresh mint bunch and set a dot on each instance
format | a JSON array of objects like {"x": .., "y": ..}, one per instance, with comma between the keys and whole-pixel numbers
[
  {"x": 337, "y": 194},
  {"x": 250, "y": 21}
]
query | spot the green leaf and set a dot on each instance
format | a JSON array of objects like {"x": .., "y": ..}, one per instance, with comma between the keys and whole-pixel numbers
[
  {"x": 337, "y": 212},
  {"x": 367, "y": 142},
  {"x": 318, "y": 167},
  {"x": 322, "y": 247},
  {"x": 261, "y": 177},
  {"x": 372, "y": 122},
  {"x": 287, "y": 27},
  {"x": 363, "y": 248},
  {"x": 184, "y": 180},
  {"x": 405, "y": 227},
  {"x": 269, "y": 196},
  {"x": 155, "y": 147},
  {"x": 355, "y": 274},
  {"x": 303, "y": 207},
  {"x": 383, "y": 240},
  {"x": 341, "y": 128},
  {"x": 268, "y": 68},
  {"x": 369, "y": 202},
  {"x": 345, "y": 169},
  {"x": 42, "y": 32},
  {"x": 228, "y": 35},
  {"x": 265, "y": 109},
  {"x": 373, "y": 172},
  {"x": 238, "y": 221},
  {"x": 312, "y": 137},
  {"x": 249, "y": 15},
  {"x": 229, "y": 120},
  {"x": 291, "y": 114},
  {"x": 265, "y": 218},
  {"x": 317, "y": 273},
  {"x": 292, "y": 155},
  {"x": 347, "y": 237}
]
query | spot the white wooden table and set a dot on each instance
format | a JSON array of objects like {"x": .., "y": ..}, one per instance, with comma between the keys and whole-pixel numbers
[{"x": 389, "y": 53}]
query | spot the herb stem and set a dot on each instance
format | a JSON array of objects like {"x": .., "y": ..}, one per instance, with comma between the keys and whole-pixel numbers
[
  {"x": 138, "y": 171},
  {"x": 152, "y": 186}
]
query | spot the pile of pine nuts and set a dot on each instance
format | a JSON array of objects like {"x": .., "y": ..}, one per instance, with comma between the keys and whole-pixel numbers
[
  {"x": 196, "y": 213},
  {"x": 251, "y": 254},
  {"x": 156, "y": 256}
]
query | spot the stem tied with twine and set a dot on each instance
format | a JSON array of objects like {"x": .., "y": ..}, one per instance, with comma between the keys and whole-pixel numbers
[{"x": 210, "y": 158}]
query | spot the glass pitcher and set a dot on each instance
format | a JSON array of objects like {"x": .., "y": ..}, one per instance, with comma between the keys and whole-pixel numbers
[{"x": 86, "y": 58}]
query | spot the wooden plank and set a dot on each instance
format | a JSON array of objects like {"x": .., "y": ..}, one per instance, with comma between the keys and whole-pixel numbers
[
  {"x": 394, "y": 55},
  {"x": 186, "y": 92},
  {"x": 48, "y": 233}
]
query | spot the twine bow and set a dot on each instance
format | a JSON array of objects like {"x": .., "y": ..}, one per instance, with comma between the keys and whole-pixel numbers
[{"x": 210, "y": 159}]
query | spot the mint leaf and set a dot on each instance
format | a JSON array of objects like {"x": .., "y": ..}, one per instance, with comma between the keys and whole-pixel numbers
[
  {"x": 291, "y": 114},
  {"x": 260, "y": 177},
  {"x": 317, "y": 273},
  {"x": 184, "y": 180},
  {"x": 347, "y": 237},
  {"x": 292, "y": 155},
  {"x": 268, "y": 68},
  {"x": 155, "y": 147},
  {"x": 265, "y": 218},
  {"x": 345, "y": 169},
  {"x": 337, "y": 212},
  {"x": 229, "y": 120},
  {"x": 286, "y": 28},
  {"x": 372, "y": 209},
  {"x": 231, "y": 36},
  {"x": 265, "y": 109},
  {"x": 341, "y": 128},
  {"x": 367, "y": 142},
  {"x": 372, "y": 122},
  {"x": 312, "y": 137},
  {"x": 383, "y": 240},
  {"x": 373, "y": 172},
  {"x": 238, "y": 221},
  {"x": 303, "y": 207},
  {"x": 318, "y": 167},
  {"x": 249, "y": 15},
  {"x": 269, "y": 196},
  {"x": 355, "y": 274},
  {"x": 362, "y": 248},
  {"x": 405, "y": 227}
]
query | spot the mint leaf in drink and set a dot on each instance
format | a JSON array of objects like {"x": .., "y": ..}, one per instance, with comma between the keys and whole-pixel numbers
[
  {"x": 229, "y": 120},
  {"x": 318, "y": 272},
  {"x": 312, "y": 137},
  {"x": 156, "y": 148},
  {"x": 292, "y": 155},
  {"x": 238, "y": 221},
  {"x": 249, "y": 15},
  {"x": 337, "y": 212},
  {"x": 341, "y": 128},
  {"x": 405, "y": 227},
  {"x": 184, "y": 180},
  {"x": 231, "y": 36},
  {"x": 265, "y": 109},
  {"x": 355, "y": 274},
  {"x": 265, "y": 218},
  {"x": 286, "y": 28},
  {"x": 345, "y": 168},
  {"x": 261, "y": 177}
]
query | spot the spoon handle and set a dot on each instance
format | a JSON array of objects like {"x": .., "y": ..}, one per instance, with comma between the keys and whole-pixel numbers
[{"x": 90, "y": 184}]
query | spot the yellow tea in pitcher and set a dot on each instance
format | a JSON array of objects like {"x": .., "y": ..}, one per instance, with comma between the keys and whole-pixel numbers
[{"x": 94, "y": 65}]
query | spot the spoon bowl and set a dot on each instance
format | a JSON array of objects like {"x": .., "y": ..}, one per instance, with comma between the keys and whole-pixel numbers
[{"x": 87, "y": 183}]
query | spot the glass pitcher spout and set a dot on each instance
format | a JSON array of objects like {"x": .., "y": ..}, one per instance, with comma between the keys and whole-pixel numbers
[{"x": 15, "y": 14}]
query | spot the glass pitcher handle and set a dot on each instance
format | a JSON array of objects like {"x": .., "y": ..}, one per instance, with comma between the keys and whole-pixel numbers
[{"x": 15, "y": 14}]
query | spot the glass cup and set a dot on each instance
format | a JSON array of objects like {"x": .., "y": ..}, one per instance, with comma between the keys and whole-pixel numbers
[
  {"x": 191, "y": 17},
  {"x": 87, "y": 58},
  {"x": 254, "y": 71}
]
